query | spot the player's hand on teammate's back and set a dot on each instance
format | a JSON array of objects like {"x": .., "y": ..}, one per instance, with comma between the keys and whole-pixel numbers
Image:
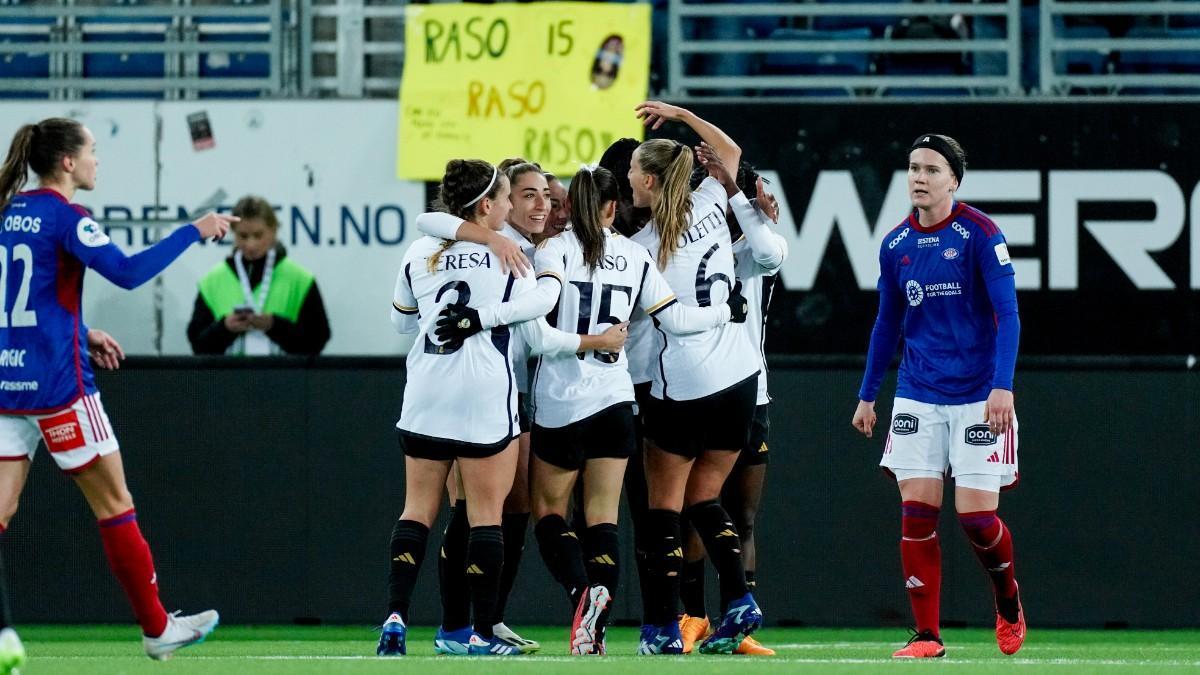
[
  {"x": 213, "y": 225},
  {"x": 739, "y": 306},
  {"x": 999, "y": 411},
  {"x": 508, "y": 252},
  {"x": 104, "y": 349},
  {"x": 238, "y": 322},
  {"x": 615, "y": 337},
  {"x": 656, "y": 113},
  {"x": 708, "y": 158},
  {"x": 457, "y": 322},
  {"x": 864, "y": 418}
]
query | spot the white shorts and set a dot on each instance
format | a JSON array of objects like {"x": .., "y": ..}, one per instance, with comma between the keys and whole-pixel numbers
[
  {"x": 927, "y": 439},
  {"x": 76, "y": 436}
]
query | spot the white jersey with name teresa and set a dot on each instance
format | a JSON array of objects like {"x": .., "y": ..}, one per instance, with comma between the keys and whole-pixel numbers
[
  {"x": 465, "y": 394},
  {"x": 520, "y": 350},
  {"x": 688, "y": 367}
]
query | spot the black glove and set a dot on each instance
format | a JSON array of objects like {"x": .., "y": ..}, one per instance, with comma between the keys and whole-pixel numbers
[
  {"x": 456, "y": 323},
  {"x": 739, "y": 306}
]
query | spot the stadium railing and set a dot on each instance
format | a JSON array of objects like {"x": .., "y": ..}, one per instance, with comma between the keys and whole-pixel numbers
[
  {"x": 176, "y": 51},
  {"x": 351, "y": 48},
  {"x": 1120, "y": 48},
  {"x": 848, "y": 48}
]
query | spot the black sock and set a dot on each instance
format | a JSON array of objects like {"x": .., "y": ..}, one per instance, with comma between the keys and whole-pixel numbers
[
  {"x": 485, "y": 564},
  {"x": 723, "y": 545},
  {"x": 514, "y": 526},
  {"x": 560, "y": 549},
  {"x": 691, "y": 588},
  {"x": 665, "y": 552},
  {"x": 452, "y": 569},
  {"x": 635, "y": 497},
  {"x": 602, "y": 552},
  {"x": 408, "y": 552}
]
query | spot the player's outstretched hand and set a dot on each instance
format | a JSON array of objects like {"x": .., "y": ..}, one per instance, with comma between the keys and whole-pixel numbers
[
  {"x": 766, "y": 202},
  {"x": 739, "y": 306},
  {"x": 864, "y": 418},
  {"x": 104, "y": 349},
  {"x": 457, "y": 322},
  {"x": 614, "y": 338},
  {"x": 999, "y": 411},
  {"x": 213, "y": 225},
  {"x": 655, "y": 113},
  {"x": 509, "y": 253}
]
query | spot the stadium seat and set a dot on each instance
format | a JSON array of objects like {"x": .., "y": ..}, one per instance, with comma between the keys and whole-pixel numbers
[
  {"x": 1083, "y": 62},
  {"x": 878, "y": 25},
  {"x": 15, "y": 30},
  {"x": 817, "y": 63},
  {"x": 125, "y": 65},
  {"x": 244, "y": 29},
  {"x": 1173, "y": 62}
]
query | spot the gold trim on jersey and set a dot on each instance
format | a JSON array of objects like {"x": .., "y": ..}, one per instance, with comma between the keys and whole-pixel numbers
[
  {"x": 661, "y": 305},
  {"x": 549, "y": 273},
  {"x": 402, "y": 309}
]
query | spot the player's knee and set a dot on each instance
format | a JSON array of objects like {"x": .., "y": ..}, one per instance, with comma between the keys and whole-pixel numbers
[
  {"x": 6, "y": 515},
  {"x": 981, "y": 527},
  {"x": 918, "y": 520}
]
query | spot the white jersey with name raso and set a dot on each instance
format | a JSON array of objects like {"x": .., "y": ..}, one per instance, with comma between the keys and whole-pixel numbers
[
  {"x": 570, "y": 388},
  {"x": 688, "y": 367},
  {"x": 464, "y": 393}
]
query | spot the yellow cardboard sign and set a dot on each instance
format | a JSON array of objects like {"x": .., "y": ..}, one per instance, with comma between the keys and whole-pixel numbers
[{"x": 553, "y": 82}]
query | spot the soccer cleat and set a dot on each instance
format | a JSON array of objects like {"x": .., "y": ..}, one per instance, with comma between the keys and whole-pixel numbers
[
  {"x": 452, "y": 642},
  {"x": 509, "y": 637},
  {"x": 692, "y": 629},
  {"x": 660, "y": 640},
  {"x": 393, "y": 637},
  {"x": 12, "y": 652},
  {"x": 923, "y": 645},
  {"x": 1010, "y": 636},
  {"x": 741, "y": 619},
  {"x": 751, "y": 647},
  {"x": 495, "y": 646},
  {"x": 588, "y": 624},
  {"x": 181, "y": 631}
]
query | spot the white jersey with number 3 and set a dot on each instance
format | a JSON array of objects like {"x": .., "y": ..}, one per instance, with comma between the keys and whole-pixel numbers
[
  {"x": 464, "y": 393},
  {"x": 688, "y": 367}
]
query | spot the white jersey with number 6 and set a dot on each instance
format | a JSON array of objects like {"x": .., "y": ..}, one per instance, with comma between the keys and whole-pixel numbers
[
  {"x": 573, "y": 387},
  {"x": 688, "y": 367},
  {"x": 463, "y": 393}
]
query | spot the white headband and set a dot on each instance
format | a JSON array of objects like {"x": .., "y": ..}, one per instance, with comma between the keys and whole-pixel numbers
[{"x": 486, "y": 189}]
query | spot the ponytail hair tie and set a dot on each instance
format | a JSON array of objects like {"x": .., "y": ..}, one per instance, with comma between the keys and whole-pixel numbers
[{"x": 675, "y": 153}]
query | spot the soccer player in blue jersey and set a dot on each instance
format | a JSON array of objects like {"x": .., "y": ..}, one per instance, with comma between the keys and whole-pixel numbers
[
  {"x": 47, "y": 390},
  {"x": 946, "y": 284}
]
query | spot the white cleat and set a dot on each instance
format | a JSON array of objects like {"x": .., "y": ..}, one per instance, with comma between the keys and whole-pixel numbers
[
  {"x": 12, "y": 652},
  {"x": 510, "y": 638},
  {"x": 181, "y": 631}
]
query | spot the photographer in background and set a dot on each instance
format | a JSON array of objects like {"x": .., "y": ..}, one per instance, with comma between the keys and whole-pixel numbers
[{"x": 258, "y": 301}]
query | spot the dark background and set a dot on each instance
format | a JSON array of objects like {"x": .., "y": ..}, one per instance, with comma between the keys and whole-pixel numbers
[{"x": 268, "y": 490}]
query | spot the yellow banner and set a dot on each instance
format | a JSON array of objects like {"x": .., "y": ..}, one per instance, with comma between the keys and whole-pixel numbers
[{"x": 553, "y": 82}]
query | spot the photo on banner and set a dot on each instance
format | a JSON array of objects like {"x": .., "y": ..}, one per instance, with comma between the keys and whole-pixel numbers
[{"x": 552, "y": 82}]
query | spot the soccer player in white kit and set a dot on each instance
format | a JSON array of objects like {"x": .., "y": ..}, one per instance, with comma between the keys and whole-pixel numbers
[
  {"x": 704, "y": 386},
  {"x": 946, "y": 283},
  {"x": 758, "y": 253},
  {"x": 459, "y": 402}
]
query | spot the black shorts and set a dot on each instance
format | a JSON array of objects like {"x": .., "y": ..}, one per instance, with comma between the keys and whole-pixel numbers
[
  {"x": 525, "y": 412},
  {"x": 608, "y": 433},
  {"x": 756, "y": 451},
  {"x": 719, "y": 421},
  {"x": 446, "y": 450}
]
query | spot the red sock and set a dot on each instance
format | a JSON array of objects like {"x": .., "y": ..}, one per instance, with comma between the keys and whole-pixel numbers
[
  {"x": 993, "y": 546},
  {"x": 921, "y": 556},
  {"x": 129, "y": 556}
]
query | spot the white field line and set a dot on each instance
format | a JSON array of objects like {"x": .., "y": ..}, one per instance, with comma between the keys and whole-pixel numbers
[{"x": 731, "y": 662}]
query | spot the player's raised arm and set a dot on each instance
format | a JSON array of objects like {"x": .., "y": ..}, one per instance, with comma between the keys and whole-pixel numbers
[{"x": 654, "y": 113}]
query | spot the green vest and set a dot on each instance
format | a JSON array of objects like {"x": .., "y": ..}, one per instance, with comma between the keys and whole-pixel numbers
[{"x": 290, "y": 283}]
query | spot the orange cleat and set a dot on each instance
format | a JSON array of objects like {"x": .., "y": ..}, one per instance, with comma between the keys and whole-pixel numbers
[
  {"x": 751, "y": 647},
  {"x": 923, "y": 645},
  {"x": 1010, "y": 636},
  {"x": 693, "y": 629}
]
